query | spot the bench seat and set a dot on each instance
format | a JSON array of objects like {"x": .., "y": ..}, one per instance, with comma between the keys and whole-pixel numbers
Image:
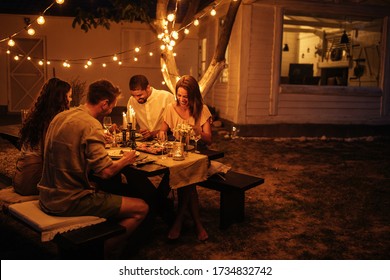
[
  {"x": 79, "y": 237},
  {"x": 232, "y": 187}
]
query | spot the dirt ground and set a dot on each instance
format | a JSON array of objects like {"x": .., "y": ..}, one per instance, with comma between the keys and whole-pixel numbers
[{"x": 322, "y": 199}]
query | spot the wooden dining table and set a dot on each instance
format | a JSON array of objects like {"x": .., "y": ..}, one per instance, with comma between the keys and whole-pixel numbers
[{"x": 161, "y": 167}]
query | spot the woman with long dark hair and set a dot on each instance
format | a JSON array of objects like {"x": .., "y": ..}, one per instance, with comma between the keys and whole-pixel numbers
[
  {"x": 54, "y": 97},
  {"x": 188, "y": 109}
]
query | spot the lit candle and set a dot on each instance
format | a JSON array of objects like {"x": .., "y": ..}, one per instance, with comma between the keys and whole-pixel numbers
[{"x": 124, "y": 121}]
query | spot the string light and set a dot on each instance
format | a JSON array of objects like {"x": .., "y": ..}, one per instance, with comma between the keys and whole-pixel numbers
[
  {"x": 31, "y": 31},
  {"x": 11, "y": 43},
  {"x": 213, "y": 12},
  {"x": 168, "y": 36},
  {"x": 41, "y": 20}
]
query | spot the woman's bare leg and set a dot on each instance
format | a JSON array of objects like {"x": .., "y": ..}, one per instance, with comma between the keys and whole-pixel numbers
[
  {"x": 183, "y": 204},
  {"x": 194, "y": 207}
]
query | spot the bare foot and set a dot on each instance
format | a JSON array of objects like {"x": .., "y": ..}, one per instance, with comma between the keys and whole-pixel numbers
[
  {"x": 174, "y": 232},
  {"x": 202, "y": 235}
]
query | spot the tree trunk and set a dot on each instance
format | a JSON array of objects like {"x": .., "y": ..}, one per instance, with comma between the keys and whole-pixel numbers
[{"x": 168, "y": 63}]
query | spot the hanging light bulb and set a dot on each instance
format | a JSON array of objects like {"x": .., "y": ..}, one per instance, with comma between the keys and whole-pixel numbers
[
  {"x": 29, "y": 58},
  {"x": 11, "y": 42},
  {"x": 31, "y": 31},
  {"x": 16, "y": 57},
  {"x": 186, "y": 31},
  {"x": 150, "y": 53},
  {"x": 135, "y": 59},
  {"x": 48, "y": 62},
  {"x": 8, "y": 51},
  {"x": 115, "y": 58},
  {"x": 119, "y": 62},
  {"x": 175, "y": 35},
  {"x": 104, "y": 65},
  {"x": 196, "y": 22},
  {"x": 171, "y": 17},
  {"x": 213, "y": 12},
  {"x": 41, "y": 20},
  {"x": 60, "y": 2},
  {"x": 162, "y": 47},
  {"x": 89, "y": 62},
  {"x": 40, "y": 62}
]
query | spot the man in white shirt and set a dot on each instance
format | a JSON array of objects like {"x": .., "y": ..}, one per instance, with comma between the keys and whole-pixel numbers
[{"x": 148, "y": 104}]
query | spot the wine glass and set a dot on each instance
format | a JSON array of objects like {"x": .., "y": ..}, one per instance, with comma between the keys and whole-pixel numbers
[
  {"x": 196, "y": 137},
  {"x": 162, "y": 140},
  {"x": 107, "y": 123}
]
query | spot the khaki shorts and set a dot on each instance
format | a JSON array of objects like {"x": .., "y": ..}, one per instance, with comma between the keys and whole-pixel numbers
[{"x": 101, "y": 204}]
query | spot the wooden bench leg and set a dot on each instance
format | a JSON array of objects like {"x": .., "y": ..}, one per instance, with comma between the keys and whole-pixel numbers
[
  {"x": 232, "y": 208},
  {"x": 87, "y": 243}
]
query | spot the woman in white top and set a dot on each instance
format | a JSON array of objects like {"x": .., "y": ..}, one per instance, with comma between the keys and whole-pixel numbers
[{"x": 188, "y": 109}]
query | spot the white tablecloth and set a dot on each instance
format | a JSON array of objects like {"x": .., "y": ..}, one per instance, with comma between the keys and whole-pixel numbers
[{"x": 191, "y": 170}]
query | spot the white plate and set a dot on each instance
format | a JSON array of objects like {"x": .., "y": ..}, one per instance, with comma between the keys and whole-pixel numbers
[{"x": 118, "y": 153}]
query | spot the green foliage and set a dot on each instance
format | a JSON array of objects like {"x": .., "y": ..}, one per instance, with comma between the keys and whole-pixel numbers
[{"x": 112, "y": 11}]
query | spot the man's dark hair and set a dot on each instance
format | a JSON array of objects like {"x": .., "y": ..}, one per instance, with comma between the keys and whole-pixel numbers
[
  {"x": 138, "y": 82},
  {"x": 100, "y": 90}
]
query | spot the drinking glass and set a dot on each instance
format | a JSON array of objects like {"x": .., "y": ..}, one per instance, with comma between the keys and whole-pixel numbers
[
  {"x": 162, "y": 139},
  {"x": 107, "y": 123},
  {"x": 196, "y": 137}
]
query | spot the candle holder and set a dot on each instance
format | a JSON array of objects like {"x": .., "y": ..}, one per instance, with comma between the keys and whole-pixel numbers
[
  {"x": 178, "y": 151},
  {"x": 131, "y": 141}
]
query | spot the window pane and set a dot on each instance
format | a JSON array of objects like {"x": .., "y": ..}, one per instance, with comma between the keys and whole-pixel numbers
[{"x": 331, "y": 52}]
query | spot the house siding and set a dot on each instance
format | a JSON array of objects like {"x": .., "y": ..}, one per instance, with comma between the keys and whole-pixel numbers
[{"x": 252, "y": 97}]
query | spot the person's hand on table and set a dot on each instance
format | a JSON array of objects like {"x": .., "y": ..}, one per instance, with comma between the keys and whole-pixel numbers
[
  {"x": 129, "y": 157},
  {"x": 146, "y": 134}
]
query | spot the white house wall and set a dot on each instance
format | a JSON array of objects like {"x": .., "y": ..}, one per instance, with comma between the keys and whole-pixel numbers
[{"x": 249, "y": 95}]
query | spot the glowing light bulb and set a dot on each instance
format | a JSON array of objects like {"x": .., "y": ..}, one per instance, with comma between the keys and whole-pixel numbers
[
  {"x": 65, "y": 64},
  {"x": 135, "y": 59},
  {"x": 163, "y": 83},
  {"x": 115, "y": 58},
  {"x": 40, "y": 62},
  {"x": 172, "y": 43},
  {"x": 150, "y": 54},
  {"x": 31, "y": 31},
  {"x": 137, "y": 49},
  {"x": 48, "y": 62},
  {"x": 162, "y": 47},
  {"x": 104, "y": 65},
  {"x": 8, "y": 52},
  {"x": 60, "y": 2},
  {"x": 171, "y": 17},
  {"x": 28, "y": 58},
  {"x": 119, "y": 62},
  {"x": 85, "y": 66},
  {"x": 170, "y": 47},
  {"x": 213, "y": 12},
  {"x": 41, "y": 20},
  {"x": 175, "y": 35},
  {"x": 16, "y": 57},
  {"x": 196, "y": 22},
  {"x": 186, "y": 31},
  {"x": 174, "y": 54},
  {"x": 11, "y": 43},
  {"x": 89, "y": 62}
]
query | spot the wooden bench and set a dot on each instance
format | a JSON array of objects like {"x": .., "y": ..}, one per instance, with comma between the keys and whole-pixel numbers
[
  {"x": 232, "y": 187},
  {"x": 80, "y": 237}
]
